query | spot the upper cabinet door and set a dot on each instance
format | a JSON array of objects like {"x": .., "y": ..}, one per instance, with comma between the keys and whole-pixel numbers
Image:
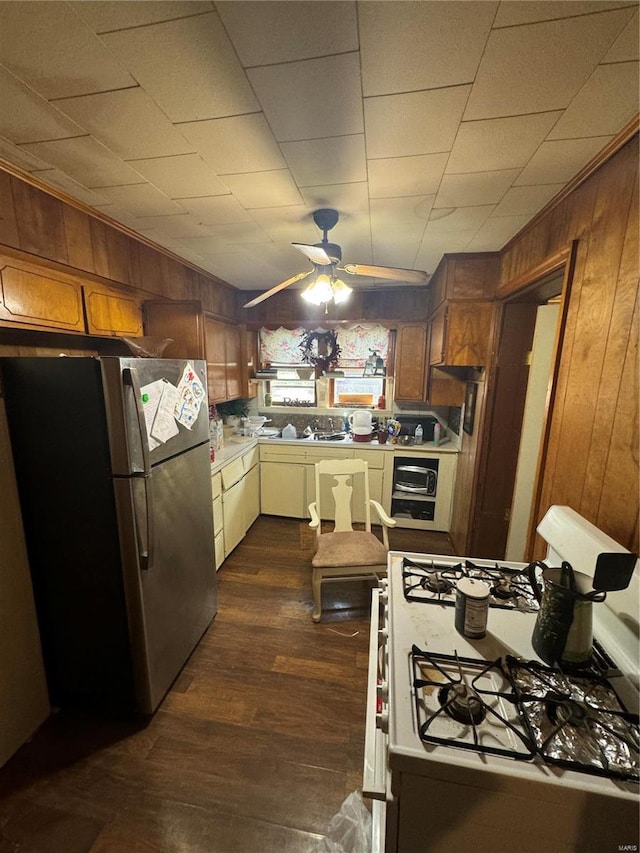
[
  {"x": 234, "y": 357},
  {"x": 215, "y": 346},
  {"x": 35, "y": 297},
  {"x": 182, "y": 321},
  {"x": 112, "y": 312},
  {"x": 411, "y": 352}
]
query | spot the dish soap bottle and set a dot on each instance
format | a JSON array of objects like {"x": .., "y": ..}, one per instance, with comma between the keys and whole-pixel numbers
[
  {"x": 437, "y": 432},
  {"x": 418, "y": 435}
]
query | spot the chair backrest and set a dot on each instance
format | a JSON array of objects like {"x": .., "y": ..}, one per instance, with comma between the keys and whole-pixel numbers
[{"x": 342, "y": 491}]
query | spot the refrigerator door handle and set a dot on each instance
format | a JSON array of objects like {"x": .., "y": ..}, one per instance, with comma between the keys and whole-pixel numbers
[
  {"x": 146, "y": 553},
  {"x": 145, "y": 550},
  {"x": 130, "y": 377}
]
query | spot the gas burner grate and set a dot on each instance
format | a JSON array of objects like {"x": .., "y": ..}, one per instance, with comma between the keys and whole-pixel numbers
[
  {"x": 434, "y": 582},
  {"x": 469, "y": 704},
  {"x": 577, "y": 720}
]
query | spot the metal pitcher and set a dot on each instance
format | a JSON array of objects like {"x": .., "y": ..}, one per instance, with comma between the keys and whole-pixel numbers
[{"x": 563, "y": 633}]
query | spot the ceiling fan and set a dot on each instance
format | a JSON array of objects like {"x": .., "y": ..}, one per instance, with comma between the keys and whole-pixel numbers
[{"x": 326, "y": 258}]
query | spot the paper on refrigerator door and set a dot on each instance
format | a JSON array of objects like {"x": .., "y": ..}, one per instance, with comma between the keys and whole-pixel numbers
[
  {"x": 164, "y": 424},
  {"x": 190, "y": 397},
  {"x": 151, "y": 395}
]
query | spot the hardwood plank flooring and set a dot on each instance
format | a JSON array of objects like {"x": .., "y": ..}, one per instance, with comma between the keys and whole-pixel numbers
[{"x": 253, "y": 749}]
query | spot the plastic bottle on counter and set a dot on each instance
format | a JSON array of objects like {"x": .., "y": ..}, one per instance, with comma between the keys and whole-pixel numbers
[
  {"x": 418, "y": 435},
  {"x": 289, "y": 432},
  {"x": 437, "y": 433}
]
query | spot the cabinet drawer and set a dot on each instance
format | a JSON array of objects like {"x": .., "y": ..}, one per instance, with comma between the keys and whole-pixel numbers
[
  {"x": 280, "y": 453},
  {"x": 216, "y": 485},
  {"x": 251, "y": 459},
  {"x": 232, "y": 473},
  {"x": 374, "y": 458},
  {"x": 315, "y": 454}
]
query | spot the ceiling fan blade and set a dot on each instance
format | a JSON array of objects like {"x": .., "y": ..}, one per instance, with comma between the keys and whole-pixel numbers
[
  {"x": 277, "y": 288},
  {"x": 315, "y": 254},
  {"x": 392, "y": 273}
]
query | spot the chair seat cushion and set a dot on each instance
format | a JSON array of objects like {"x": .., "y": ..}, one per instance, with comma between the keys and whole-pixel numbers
[{"x": 349, "y": 548}]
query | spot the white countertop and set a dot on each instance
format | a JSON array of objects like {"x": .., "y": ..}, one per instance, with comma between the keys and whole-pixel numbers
[{"x": 427, "y": 446}]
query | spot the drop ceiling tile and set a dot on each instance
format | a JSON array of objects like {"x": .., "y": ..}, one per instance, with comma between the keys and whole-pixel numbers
[
  {"x": 63, "y": 182},
  {"x": 140, "y": 200},
  {"x": 433, "y": 247},
  {"x": 105, "y": 16},
  {"x": 159, "y": 238},
  {"x": 278, "y": 218},
  {"x": 205, "y": 245},
  {"x": 317, "y": 162},
  {"x": 607, "y": 101},
  {"x": 267, "y": 33},
  {"x": 49, "y": 47},
  {"x": 128, "y": 122},
  {"x": 188, "y": 67},
  {"x": 26, "y": 117},
  {"x": 514, "y": 12},
  {"x": 458, "y": 219},
  {"x": 525, "y": 201},
  {"x": 236, "y": 144},
  {"x": 404, "y": 176},
  {"x": 475, "y": 188},
  {"x": 245, "y": 232},
  {"x": 625, "y": 47},
  {"x": 497, "y": 144},
  {"x": 86, "y": 160},
  {"x": 398, "y": 212},
  {"x": 183, "y": 175},
  {"x": 264, "y": 189},
  {"x": 176, "y": 226},
  {"x": 425, "y": 46},
  {"x": 347, "y": 199},
  {"x": 396, "y": 251},
  {"x": 19, "y": 157},
  {"x": 414, "y": 122},
  {"x": 558, "y": 161},
  {"x": 496, "y": 233},
  {"x": 560, "y": 56},
  {"x": 299, "y": 98},
  {"x": 215, "y": 210}
]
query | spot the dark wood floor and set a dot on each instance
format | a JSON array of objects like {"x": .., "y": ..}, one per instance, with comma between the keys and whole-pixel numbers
[{"x": 253, "y": 750}]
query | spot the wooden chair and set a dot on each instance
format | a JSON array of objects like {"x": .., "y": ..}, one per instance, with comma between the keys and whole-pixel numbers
[{"x": 342, "y": 494}]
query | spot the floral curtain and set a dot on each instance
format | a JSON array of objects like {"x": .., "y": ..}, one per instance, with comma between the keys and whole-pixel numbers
[{"x": 282, "y": 346}]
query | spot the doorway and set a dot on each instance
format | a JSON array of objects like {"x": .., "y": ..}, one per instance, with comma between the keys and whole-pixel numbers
[{"x": 514, "y": 445}]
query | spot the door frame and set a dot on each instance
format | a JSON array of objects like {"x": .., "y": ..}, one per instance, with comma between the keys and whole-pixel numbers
[{"x": 535, "y": 286}]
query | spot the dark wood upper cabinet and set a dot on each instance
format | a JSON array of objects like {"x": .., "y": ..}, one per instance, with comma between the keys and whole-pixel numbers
[
  {"x": 112, "y": 312},
  {"x": 32, "y": 297}
]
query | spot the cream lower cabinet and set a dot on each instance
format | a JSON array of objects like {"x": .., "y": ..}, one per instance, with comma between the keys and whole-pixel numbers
[
  {"x": 283, "y": 489},
  {"x": 251, "y": 464},
  {"x": 288, "y": 476},
  {"x": 218, "y": 521},
  {"x": 235, "y": 491}
]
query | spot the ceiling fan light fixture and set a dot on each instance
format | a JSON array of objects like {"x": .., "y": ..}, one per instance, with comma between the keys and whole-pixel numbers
[
  {"x": 341, "y": 291},
  {"x": 319, "y": 291}
]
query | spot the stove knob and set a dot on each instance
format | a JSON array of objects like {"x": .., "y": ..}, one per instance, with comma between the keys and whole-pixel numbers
[
  {"x": 384, "y": 596},
  {"x": 382, "y": 691}
]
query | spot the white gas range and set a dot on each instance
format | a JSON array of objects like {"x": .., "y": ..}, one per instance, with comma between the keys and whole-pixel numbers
[{"x": 528, "y": 758}]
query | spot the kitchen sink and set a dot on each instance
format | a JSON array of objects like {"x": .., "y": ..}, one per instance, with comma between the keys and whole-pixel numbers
[{"x": 317, "y": 436}]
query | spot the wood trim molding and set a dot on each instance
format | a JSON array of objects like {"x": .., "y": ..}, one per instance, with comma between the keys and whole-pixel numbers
[
  {"x": 529, "y": 278},
  {"x": 619, "y": 141},
  {"x": 61, "y": 195}
]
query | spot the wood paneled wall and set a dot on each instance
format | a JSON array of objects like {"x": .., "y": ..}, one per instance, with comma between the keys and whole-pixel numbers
[
  {"x": 47, "y": 227},
  {"x": 377, "y": 305},
  {"x": 592, "y": 460}
]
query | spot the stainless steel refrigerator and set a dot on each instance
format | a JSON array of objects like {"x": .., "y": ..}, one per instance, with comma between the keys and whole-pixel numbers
[{"x": 118, "y": 522}]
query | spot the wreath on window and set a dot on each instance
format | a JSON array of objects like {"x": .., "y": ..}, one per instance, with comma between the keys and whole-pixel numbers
[{"x": 320, "y": 349}]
